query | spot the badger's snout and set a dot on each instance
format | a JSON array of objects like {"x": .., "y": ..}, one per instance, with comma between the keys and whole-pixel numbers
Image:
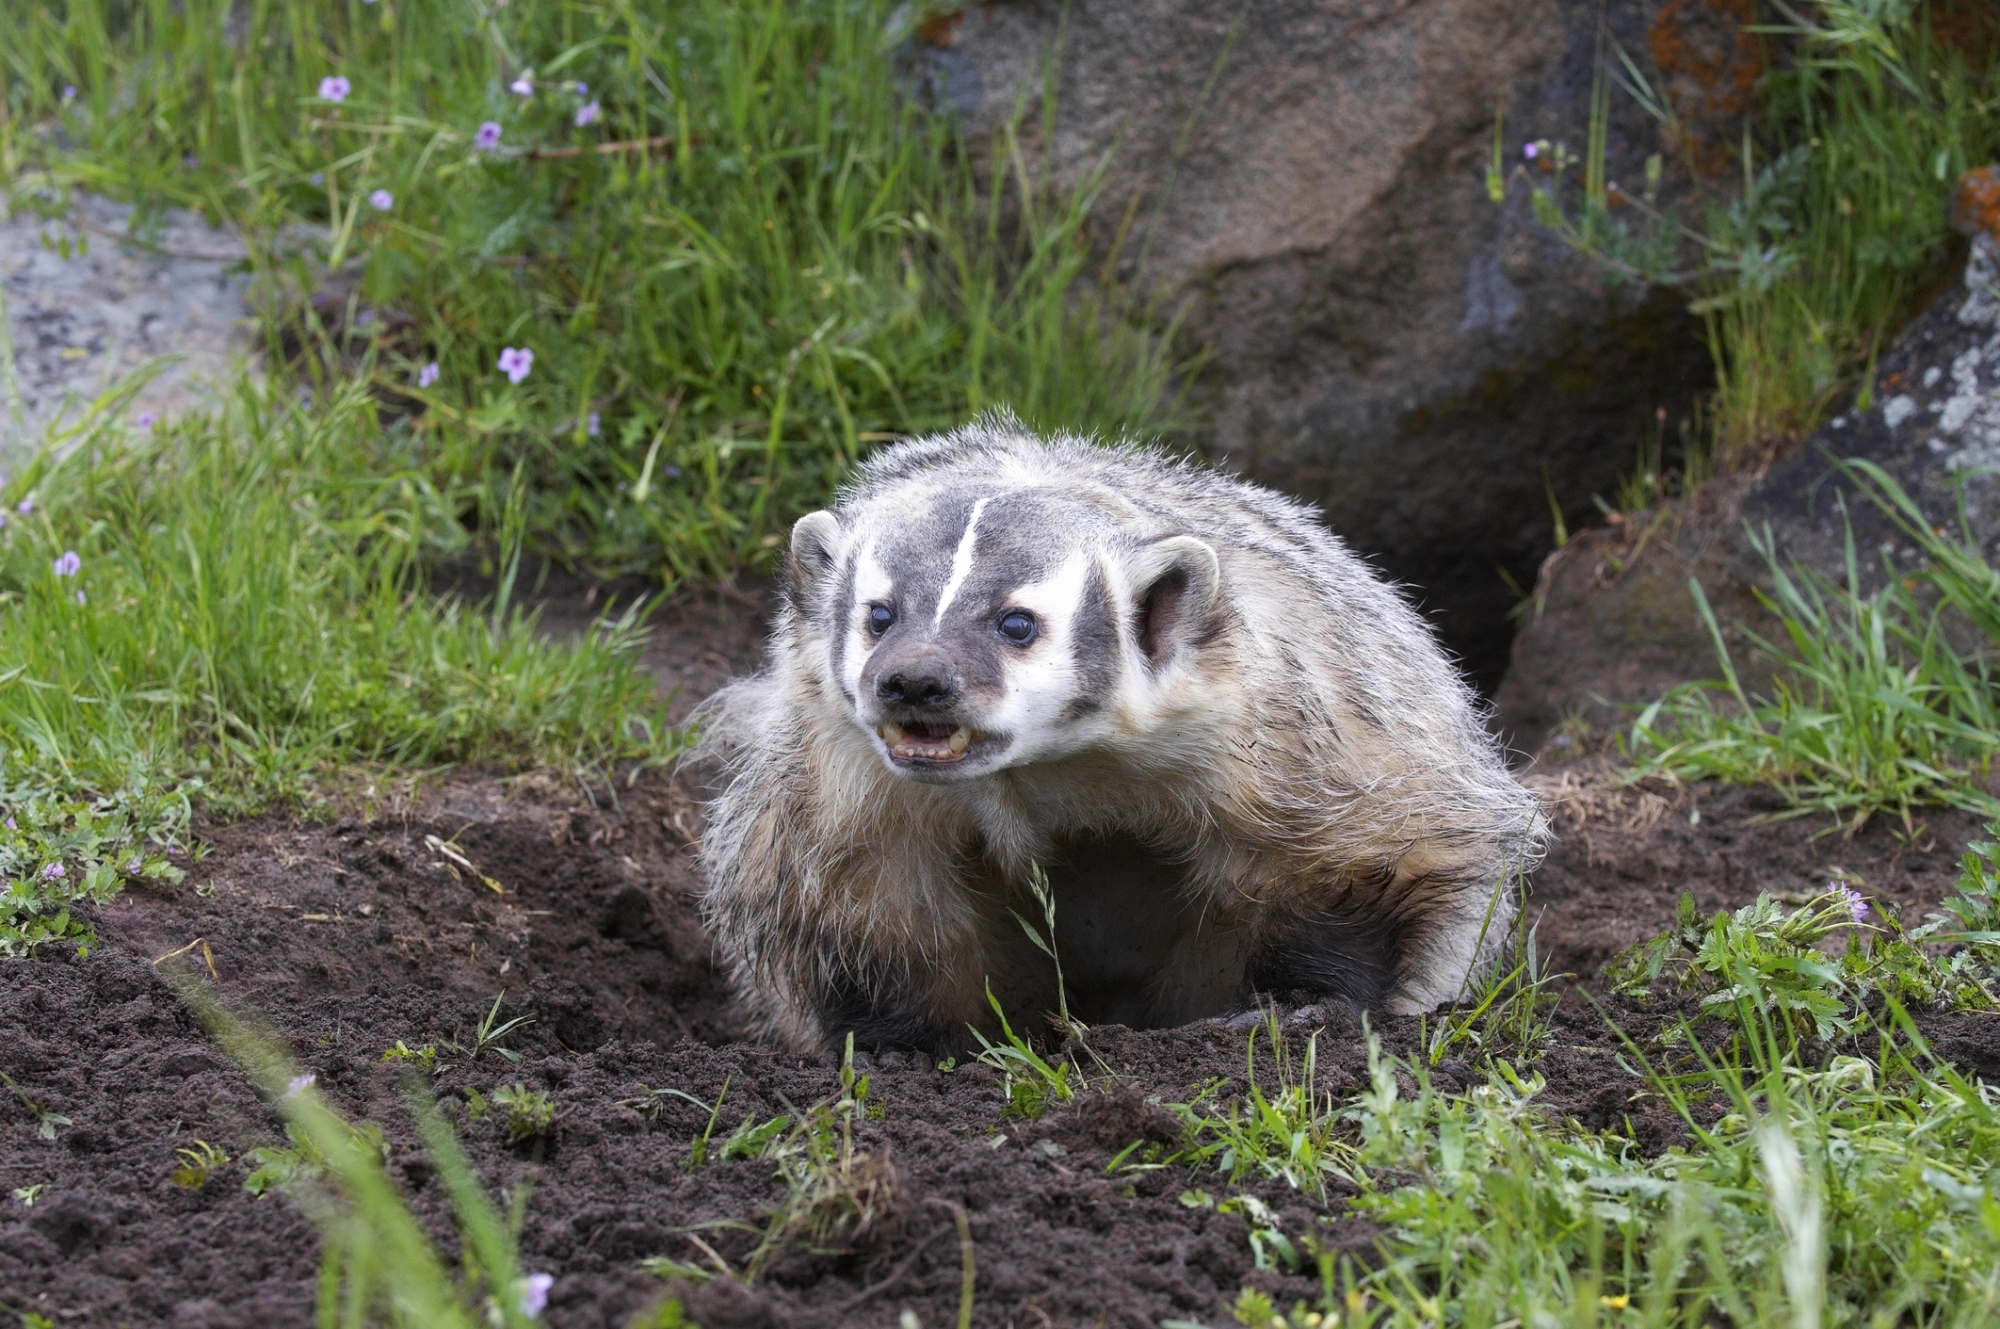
[{"x": 927, "y": 684}]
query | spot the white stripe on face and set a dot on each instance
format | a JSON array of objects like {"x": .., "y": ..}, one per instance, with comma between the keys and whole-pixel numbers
[{"x": 961, "y": 564}]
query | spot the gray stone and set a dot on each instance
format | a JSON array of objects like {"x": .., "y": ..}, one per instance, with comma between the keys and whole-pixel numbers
[
  {"x": 80, "y": 324},
  {"x": 1307, "y": 178}
]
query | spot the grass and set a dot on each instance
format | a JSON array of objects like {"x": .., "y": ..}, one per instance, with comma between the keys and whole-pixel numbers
[
  {"x": 1833, "y": 1171},
  {"x": 1874, "y": 707},
  {"x": 759, "y": 260},
  {"x": 1838, "y": 227},
  {"x": 231, "y": 610}
]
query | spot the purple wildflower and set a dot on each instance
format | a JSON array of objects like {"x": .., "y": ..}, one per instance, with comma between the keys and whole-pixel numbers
[
  {"x": 1857, "y": 907},
  {"x": 11, "y": 826},
  {"x": 69, "y": 92},
  {"x": 80, "y": 597},
  {"x": 382, "y": 200},
  {"x": 319, "y": 177},
  {"x": 26, "y": 505},
  {"x": 333, "y": 88},
  {"x": 672, "y": 471},
  {"x": 69, "y": 564},
  {"x": 587, "y": 114},
  {"x": 188, "y": 160},
  {"x": 298, "y": 1084},
  {"x": 515, "y": 364},
  {"x": 488, "y": 137},
  {"x": 132, "y": 867},
  {"x": 590, "y": 424},
  {"x": 535, "y": 1293},
  {"x": 1531, "y": 150},
  {"x": 428, "y": 374},
  {"x": 523, "y": 86},
  {"x": 579, "y": 88},
  {"x": 54, "y": 872},
  {"x": 144, "y": 420}
]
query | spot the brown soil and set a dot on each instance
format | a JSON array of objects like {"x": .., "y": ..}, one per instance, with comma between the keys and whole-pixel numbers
[{"x": 350, "y": 934}]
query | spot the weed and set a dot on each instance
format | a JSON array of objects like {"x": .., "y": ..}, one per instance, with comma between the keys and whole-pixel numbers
[
  {"x": 486, "y": 1038},
  {"x": 57, "y": 853},
  {"x": 423, "y": 1058},
  {"x": 280, "y": 1166},
  {"x": 530, "y": 1112},
  {"x": 45, "y": 1120},
  {"x": 1030, "y": 1082},
  {"x": 1873, "y": 709},
  {"x": 1289, "y": 1131},
  {"x": 27, "y": 1195},
  {"x": 198, "y": 1164}
]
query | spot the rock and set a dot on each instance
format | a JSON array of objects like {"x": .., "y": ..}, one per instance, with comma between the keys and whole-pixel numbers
[
  {"x": 77, "y": 324},
  {"x": 1307, "y": 179},
  {"x": 1612, "y": 621}
]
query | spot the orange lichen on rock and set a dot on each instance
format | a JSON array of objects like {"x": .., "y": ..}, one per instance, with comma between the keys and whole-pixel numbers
[
  {"x": 1711, "y": 63},
  {"x": 1975, "y": 202}
]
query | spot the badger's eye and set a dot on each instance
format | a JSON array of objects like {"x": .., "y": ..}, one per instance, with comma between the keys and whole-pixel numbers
[
  {"x": 879, "y": 618},
  {"x": 1017, "y": 625}
]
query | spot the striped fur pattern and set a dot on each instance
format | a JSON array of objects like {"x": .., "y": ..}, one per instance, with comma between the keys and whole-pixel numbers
[{"x": 1241, "y": 759}]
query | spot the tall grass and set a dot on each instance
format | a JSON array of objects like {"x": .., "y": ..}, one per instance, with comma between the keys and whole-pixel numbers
[
  {"x": 761, "y": 256},
  {"x": 1873, "y": 706},
  {"x": 1838, "y": 224},
  {"x": 226, "y": 609}
]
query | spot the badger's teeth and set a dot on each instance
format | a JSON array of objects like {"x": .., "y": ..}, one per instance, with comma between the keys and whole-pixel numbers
[
  {"x": 891, "y": 732},
  {"x": 960, "y": 737}
]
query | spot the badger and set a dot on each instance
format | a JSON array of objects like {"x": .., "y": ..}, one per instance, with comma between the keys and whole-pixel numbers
[{"x": 1234, "y": 761}]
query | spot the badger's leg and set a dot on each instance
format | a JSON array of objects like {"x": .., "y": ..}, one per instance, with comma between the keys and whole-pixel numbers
[
  {"x": 884, "y": 1013},
  {"x": 1329, "y": 955}
]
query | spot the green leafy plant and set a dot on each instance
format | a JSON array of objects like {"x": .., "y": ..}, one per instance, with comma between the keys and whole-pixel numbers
[
  {"x": 46, "y": 1121},
  {"x": 530, "y": 1112},
  {"x": 423, "y": 1058},
  {"x": 486, "y": 1038},
  {"x": 198, "y": 1164},
  {"x": 1287, "y": 1130},
  {"x": 1031, "y": 1083}
]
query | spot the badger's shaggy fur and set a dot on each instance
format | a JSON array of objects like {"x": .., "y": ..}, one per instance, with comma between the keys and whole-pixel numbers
[{"x": 1239, "y": 756}]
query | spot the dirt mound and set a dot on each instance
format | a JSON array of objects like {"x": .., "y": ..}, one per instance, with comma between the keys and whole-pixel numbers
[{"x": 353, "y": 934}]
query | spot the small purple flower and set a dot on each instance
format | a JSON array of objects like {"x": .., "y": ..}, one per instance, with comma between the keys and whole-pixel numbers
[
  {"x": 1856, "y": 906},
  {"x": 535, "y": 1293},
  {"x": 587, "y": 114},
  {"x": 298, "y": 1084},
  {"x": 591, "y": 423},
  {"x": 1531, "y": 150},
  {"x": 672, "y": 471},
  {"x": 515, "y": 364},
  {"x": 69, "y": 564},
  {"x": 26, "y": 505},
  {"x": 382, "y": 200},
  {"x": 132, "y": 867},
  {"x": 428, "y": 374},
  {"x": 319, "y": 177},
  {"x": 69, "y": 92},
  {"x": 11, "y": 826},
  {"x": 54, "y": 872},
  {"x": 579, "y": 88},
  {"x": 523, "y": 86},
  {"x": 488, "y": 137},
  {"x": 79, "y": 597},
  {"x": 144, "y": 420},
  {"x": 333, "y": 88},
  {"x": 188, "y": 161}
]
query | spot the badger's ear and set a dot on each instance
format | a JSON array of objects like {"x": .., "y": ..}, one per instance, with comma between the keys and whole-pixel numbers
[
  {"x": 1177, "y": 580},
  {"x": 815, "y": 537}
]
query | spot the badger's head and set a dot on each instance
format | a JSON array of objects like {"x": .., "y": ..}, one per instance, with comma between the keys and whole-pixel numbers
[{"x": 967, "y": 632}]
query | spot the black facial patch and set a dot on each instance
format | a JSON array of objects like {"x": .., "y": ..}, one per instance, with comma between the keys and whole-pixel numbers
[
  {"x": 1095, "y": 634},
  {"x": 880, "y": 1019},
  {"x": 1333, "y": 956}
]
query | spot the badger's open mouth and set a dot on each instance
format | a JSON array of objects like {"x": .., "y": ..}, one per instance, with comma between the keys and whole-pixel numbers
[{"x": 927, "y": 742}]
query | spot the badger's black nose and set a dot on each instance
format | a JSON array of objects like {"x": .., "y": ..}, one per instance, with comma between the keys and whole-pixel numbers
[{"x": 917, "y": 687}]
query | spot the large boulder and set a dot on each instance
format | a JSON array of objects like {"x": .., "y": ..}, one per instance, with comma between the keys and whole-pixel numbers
[
  {"x": 1612, "y": 622},
  {"x": 1308, "y": 178}
]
